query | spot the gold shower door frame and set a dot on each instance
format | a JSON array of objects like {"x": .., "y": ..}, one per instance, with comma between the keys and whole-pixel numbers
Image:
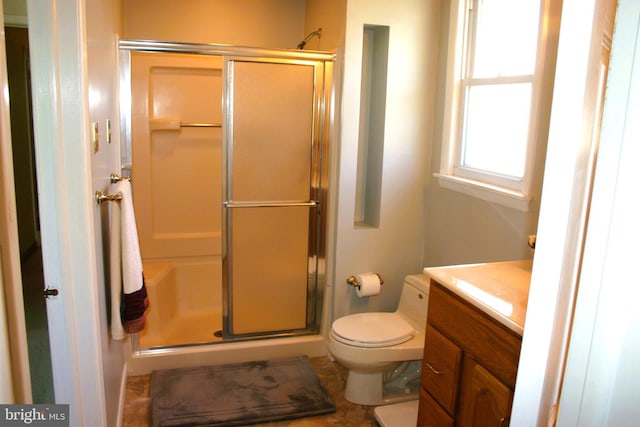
[
  {"x": 273, "y": 206},
  {"x": 310, "y": 293}
]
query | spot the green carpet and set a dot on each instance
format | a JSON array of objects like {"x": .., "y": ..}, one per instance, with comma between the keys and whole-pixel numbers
[{"x": 237, "y": 394}]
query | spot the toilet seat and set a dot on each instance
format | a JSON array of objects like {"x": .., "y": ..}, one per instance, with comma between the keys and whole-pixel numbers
[{"x": 372, "y": 329}]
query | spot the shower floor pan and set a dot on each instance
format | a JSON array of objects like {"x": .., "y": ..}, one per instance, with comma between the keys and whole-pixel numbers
[{"x": 185, "y": 306}]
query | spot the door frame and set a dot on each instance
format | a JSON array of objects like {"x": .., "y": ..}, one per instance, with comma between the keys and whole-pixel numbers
[
  {"x": 604, "y": 337},
  {"x": 564, "y": 208},
  {"x": 17, "y": 387}
]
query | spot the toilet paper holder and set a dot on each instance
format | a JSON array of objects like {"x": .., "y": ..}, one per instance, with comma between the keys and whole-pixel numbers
[{"x": 353, "y": 281}]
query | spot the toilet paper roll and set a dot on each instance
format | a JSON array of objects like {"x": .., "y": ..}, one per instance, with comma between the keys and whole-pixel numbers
[{"x": 369, "y": 284}]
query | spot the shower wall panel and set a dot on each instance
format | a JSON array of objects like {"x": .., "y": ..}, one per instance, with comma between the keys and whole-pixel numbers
[{"x": 177, "y": 177}]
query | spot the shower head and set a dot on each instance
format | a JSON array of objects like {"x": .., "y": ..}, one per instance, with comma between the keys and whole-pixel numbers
[{"x": 318, "y": 33}]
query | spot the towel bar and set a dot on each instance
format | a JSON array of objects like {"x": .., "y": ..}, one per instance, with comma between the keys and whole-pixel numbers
[
  {"x": 114, "y": 177},
  {"x": 102, "y": 197}
]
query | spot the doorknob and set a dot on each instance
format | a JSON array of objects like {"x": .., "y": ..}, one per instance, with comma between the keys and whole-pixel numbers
[{"x": 49, "y": 292}]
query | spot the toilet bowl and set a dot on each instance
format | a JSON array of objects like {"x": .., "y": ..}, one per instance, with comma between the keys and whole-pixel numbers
[{"x": 383, "y": 350}]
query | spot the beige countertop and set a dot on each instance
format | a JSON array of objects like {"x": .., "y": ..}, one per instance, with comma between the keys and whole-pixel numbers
[{"x": 501, "y": 289}]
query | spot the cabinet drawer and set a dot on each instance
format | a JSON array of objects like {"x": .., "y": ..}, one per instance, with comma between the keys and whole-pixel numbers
[
  {"x": 430, "y": 414},
  {"x": 493, "y": 345},
  {"x": 441, "y": 368}
]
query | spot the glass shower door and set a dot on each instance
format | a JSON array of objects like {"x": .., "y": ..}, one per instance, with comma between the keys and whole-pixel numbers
[{"x": 272, "y": 191}]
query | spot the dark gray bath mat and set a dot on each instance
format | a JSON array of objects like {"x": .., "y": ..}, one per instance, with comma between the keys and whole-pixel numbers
[{"x": 237, "y": 394}]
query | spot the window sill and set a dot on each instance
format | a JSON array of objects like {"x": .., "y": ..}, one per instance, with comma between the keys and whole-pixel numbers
[{"x": 490, "y": 193}]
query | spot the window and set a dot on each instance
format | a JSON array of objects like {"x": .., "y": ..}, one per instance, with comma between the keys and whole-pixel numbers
[{"x": 492, "y": 92}]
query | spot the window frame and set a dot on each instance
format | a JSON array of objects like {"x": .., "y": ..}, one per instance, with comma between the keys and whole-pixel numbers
[{"x": 508, "y": 191}]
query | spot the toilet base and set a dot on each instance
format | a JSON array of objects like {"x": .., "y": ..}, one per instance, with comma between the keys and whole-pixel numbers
[
  {"x": 369, "y": 389},
  {"x": 364, "y": 389}
]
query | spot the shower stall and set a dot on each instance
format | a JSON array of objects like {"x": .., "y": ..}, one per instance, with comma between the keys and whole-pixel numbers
[{"x": 226, "y": 148}]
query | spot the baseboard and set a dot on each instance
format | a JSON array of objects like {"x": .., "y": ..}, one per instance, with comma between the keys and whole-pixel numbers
[{"x": 123, "y": 393}]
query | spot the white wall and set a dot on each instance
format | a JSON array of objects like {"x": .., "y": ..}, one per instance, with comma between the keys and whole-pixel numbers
[
  {"x": 394, "y": 249},
  {"x": 257, "y": 23},
  {"x": 103, "y": 27},
  {"x": 462, "y": 229},
  {"x": 330, "y": 16},
  {"x": 15, "y": 12}
]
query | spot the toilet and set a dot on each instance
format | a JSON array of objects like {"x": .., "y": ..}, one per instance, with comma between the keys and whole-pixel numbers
[{"x": 383, "y": 350}]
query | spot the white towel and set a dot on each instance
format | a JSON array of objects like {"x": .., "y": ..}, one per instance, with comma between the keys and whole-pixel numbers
[
  {"x": 115, "y": 258},
  {"x": 128, "y": 282}
]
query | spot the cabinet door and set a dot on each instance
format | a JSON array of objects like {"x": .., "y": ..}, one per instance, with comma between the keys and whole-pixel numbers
[
  {"x": 441, "y": 367},
  {"x": 430, "y": 414},
  {"x": 485, "y": 401}
]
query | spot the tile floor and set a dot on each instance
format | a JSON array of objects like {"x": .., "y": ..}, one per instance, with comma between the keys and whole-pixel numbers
[
  {"x": 332, "y": 375},
  {"x": 35, "y": 313}
]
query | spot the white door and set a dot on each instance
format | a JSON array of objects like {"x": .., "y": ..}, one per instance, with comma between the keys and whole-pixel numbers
[
  {"x": 60, "y": 100},
  {"x": 602, "y": 382}
]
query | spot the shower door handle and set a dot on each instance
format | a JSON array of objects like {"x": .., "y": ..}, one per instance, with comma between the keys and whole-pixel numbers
[{"x": 309, "y": 203}]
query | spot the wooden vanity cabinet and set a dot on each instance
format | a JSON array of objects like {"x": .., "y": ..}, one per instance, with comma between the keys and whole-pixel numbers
[{"x": 469, "y": 366}]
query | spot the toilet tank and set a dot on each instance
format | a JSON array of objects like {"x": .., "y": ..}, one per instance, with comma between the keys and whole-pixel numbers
[{"x": 414, "y": 300}]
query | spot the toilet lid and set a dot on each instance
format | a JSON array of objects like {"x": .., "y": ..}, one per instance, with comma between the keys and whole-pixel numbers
[{"x": 372, "y": 329}]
